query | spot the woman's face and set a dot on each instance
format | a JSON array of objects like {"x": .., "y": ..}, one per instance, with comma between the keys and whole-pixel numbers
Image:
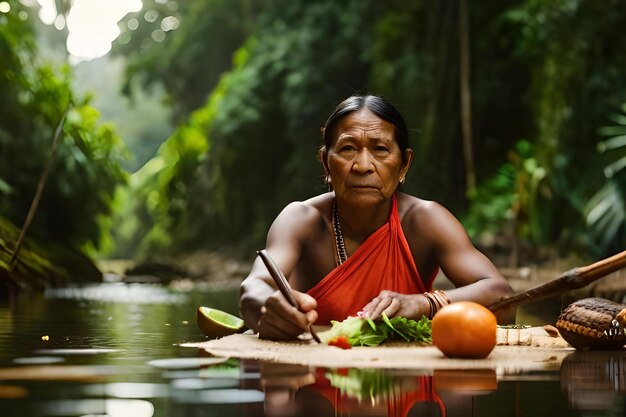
[{"x": 364, "y": 161}]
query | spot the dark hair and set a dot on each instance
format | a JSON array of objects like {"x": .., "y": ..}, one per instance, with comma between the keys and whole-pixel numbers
[{"x": 376, "y": 105}]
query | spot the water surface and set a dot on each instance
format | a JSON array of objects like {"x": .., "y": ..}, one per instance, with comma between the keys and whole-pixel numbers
[{"x": 114, "y": 350}]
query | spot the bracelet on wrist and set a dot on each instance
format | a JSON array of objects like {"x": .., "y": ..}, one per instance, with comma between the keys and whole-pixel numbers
[{"x": 436, "y": 300}]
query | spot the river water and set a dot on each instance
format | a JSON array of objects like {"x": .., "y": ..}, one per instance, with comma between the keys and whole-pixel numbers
[{"x": 114, "y": 349}]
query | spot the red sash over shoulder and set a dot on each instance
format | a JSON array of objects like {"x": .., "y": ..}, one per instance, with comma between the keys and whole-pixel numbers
[{"x": 382, "y": 262}]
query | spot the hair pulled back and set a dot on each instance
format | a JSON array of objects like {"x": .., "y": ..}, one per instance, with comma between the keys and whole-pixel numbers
[{"x": 376, "y": 105}]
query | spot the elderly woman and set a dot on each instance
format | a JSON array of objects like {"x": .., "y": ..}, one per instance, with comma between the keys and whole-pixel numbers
[{"x": 365, "y": 248}]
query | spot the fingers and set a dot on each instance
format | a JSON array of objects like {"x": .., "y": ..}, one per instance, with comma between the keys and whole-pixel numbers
[
  {"x": 392, "y": 308},
  {"x": 281, "y": 321},
  {"x": 394, "y": 304},
  {"x": 311, "y": 316},
  {"x": 276, "y": 331},
  {"x": 387, "y": 302},
  {"x": 305, "y": 301}
]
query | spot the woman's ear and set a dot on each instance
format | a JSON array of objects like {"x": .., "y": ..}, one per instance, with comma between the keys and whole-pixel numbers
[
  {"x": 323, "y": 155},
  {"x": 408, "y": 160}
]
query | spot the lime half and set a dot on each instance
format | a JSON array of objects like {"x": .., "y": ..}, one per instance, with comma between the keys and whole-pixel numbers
[{"x": 216, "y": 323}]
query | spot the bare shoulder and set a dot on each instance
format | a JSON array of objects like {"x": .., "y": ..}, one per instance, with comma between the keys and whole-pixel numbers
[
  {"x": 302, "y": 217},
  {"x": 417, "y": 210},
  {"x": 312, "y": 209},
  {"x": 426, "y": 218}
]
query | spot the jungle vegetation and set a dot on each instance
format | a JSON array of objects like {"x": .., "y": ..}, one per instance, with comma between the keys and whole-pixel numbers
[{"x": 516, "y": 108}]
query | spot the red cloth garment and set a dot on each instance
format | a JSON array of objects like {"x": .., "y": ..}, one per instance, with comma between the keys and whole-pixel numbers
[
  {"x": 399, "y": 397},
  {"x": 382, "y": 262}
]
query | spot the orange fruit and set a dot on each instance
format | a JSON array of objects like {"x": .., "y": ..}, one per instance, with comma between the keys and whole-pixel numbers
[{"x": 464, "y": 330}]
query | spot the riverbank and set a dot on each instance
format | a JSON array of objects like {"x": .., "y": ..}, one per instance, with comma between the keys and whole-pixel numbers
[
  {"x": 199, "y": 268},
  {"x": 221, "y": 270},
  {"x": 39, "y": 265}
]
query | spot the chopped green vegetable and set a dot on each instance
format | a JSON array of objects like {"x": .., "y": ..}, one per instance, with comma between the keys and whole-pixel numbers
[
  {"x": 366, "y": 332},
  {"x": 411, "y": 330},
  {"x": 361, "y": 384}
]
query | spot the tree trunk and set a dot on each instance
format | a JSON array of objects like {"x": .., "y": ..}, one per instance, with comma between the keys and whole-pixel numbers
[{"x": 466, "y": 96}]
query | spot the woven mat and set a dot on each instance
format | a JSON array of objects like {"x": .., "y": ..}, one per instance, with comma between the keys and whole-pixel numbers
[{"x": 518, "y": 350}]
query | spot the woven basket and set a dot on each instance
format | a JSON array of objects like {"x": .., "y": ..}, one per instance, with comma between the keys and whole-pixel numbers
[{"x": 593, "y": 324}]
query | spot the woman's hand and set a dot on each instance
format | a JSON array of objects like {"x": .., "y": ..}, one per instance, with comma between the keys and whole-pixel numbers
[
  {"x": 393, "y": 304},
  {"x": 279, "y": 320}
]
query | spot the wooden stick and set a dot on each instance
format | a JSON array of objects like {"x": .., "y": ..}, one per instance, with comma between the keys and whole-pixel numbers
[
  {"x": 569, "y": 280},
  {"x": 283, "y": 285},
  {"x": 278, "y": 277},
  {"x": 40, "y": 186}
]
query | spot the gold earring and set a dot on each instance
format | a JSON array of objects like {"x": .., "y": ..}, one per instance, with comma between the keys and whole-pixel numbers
[{"x": 402, "y": 180}]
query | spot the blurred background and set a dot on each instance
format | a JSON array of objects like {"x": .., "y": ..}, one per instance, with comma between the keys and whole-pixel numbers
[{"x": 158, "y": 132}]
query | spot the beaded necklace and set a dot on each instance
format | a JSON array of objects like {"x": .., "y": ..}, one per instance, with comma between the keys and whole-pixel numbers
[{"x": 340, "y": 246}]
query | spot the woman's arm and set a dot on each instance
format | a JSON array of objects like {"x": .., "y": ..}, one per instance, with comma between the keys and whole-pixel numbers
[
  {"x": 263, "y": 308},
  {"x": 475, "y": 277},
  {"x": 434, "y": 233}
]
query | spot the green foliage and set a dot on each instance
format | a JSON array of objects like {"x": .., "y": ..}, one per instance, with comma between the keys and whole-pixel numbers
[
  {"x": 492, "y": 204},
  {"x": 262, "y": 129},
  {"x": 415, "y": 65},
  {"x": 39, "y": 265},
  {"x": 507, "y": 203},
  {"x": 303, "y": 58},
  {"x": 192, "y": 57},
  {"x": 85, "y": 168},
  {"x": 272, "y": 71},
  {"x": 606, "y": 210},
  {"x": 265, "y": 137},
  {"x": 142, "y": 120},
  {"x": 153, "y": 213},
  {"x": 570, "y": 48},
  {"x": 32, "y": 269}
]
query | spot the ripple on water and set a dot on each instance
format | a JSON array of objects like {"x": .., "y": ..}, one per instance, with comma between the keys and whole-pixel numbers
[
  {"x": 39, "y": 360},
  {"x": 221, "y": 396},
  {"x": 118, "y": 293},
  {"x": 107, "y": 407},
  {"x": 85, "y": 351},
  {"x": 138, "y": 390},
  {"x": 185, "y": 363}
]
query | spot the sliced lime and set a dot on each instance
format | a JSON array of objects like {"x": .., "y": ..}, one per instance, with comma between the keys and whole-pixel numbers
[{"x": 216, "y": 323}]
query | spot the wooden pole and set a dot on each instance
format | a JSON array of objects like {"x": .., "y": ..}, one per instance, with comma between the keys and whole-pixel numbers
[{"x": 569, "y": 280}]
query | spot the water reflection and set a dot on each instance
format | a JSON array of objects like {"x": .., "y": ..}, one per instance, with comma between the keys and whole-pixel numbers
[
  {"x": 39, "y": 360},
  {"x": 595, "y": 381},
  {"x": 134, "y": 294},
  {"x": 108, "y": 408},
  {"x": 295, "y": 390},
  {"x": 185, "y": 363},
  {"x": 592, "y": 382},
  {"x": 108, "y": 355}
]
